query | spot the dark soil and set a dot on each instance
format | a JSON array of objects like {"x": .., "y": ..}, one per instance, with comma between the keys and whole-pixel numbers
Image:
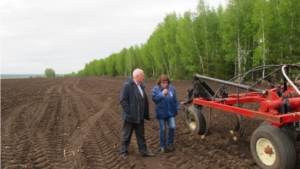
[{"x": 76, "y": 123}]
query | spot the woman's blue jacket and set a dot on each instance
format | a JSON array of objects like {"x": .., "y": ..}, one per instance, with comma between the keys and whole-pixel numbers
[{"x": 165, "y": 105}]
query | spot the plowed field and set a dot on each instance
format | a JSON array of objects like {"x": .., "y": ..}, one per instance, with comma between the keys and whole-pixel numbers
[{"x": 76, "y": 123}]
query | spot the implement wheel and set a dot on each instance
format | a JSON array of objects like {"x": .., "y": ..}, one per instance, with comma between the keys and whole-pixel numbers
[
  {"x": 289, "y": 132},
  {"x": 196, "y": 121},
  {"x": 272, "y": 148}
]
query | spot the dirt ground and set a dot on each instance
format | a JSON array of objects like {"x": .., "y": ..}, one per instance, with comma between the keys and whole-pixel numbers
[{"x": 76, "y": 123}]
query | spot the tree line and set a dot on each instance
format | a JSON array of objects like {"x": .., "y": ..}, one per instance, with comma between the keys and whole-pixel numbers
[{"x": 220, "y": 43}]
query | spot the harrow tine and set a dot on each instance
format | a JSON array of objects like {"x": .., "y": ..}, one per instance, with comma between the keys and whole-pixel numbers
[
  {"x": 239, "y": 125},
  {"x": 208, "y": 123}
]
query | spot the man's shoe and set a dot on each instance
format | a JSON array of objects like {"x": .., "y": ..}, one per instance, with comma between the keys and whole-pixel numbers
[
  {"x": 124, "y": 155},
  {"x": 148, "y": 155},
  {"x": 163, "y": 150},
  {"x": 171, "y": 148}
]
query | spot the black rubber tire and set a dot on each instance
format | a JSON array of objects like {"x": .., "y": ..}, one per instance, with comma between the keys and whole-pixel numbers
[
  {"x": 265, "y": 123},
  {"x": 196, "y": 121},
  {"x": 284, "y": 154},
  {"x": 292, "y": 136},
  {"x": 289, "y": 132}
]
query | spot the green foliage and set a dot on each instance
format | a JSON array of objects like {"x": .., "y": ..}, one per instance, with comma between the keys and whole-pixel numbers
[
  {"x": 73, "y": 74},
  {"x": 157, "y": 44},
  {"x": 188, "y": 44},
  {"x": 49, "y": 72},
  {"x": 220, "y": 42},
  {"x": 171, "y": 48},
  {"x": 148, "y": 60},
  {"x": 120, "y": 63}
]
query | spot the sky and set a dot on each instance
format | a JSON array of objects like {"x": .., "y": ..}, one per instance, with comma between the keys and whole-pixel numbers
[{"x": 66, "y": 34}]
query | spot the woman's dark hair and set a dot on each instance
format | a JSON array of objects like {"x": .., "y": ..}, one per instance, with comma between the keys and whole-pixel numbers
[{"x": 162, "y": 78}]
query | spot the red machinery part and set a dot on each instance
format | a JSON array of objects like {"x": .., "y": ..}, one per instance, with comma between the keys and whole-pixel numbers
[{"x": 271, "y": 106}]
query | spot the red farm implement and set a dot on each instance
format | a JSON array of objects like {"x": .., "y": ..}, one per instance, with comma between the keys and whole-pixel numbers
[{"x": 273, "y": 143}]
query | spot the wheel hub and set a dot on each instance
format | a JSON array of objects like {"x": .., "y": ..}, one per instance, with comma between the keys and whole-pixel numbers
[
  {"x": 269, "y": 150},
  {"x": 265, "y": 151}
]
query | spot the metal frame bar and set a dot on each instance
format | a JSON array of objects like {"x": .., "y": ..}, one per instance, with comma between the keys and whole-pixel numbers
[{"x": 226, "y": 105}]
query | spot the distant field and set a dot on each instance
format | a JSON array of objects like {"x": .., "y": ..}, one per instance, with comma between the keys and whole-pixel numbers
[{"x": 13, "y": 76}]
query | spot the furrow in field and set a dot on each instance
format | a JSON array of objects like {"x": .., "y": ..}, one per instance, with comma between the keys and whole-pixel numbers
[
  {"x": 98, "y": 151},
  {"x": 81, "y": 117},
  {"x": 60, "y": 127},
  {"x": 15, "y": 143},
  {"x": 102, "y": 149},
  {"x": 31, "y": 127},
  {"x": 75, "y": 87},
  {"x": 49, "y": 140}
]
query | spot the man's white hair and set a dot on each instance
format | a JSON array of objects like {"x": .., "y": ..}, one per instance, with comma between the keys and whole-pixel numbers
[{"x": 137, "y": 72}]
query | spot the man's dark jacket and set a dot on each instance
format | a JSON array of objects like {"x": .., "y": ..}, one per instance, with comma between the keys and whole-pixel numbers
[{"x": 130, "y": 103}]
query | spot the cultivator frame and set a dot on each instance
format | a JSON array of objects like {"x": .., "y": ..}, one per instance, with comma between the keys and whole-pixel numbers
[{"x": 279, "y": 108}]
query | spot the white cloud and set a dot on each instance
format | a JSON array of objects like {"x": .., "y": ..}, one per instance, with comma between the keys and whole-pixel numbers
[{"x": 65, "y": 34}]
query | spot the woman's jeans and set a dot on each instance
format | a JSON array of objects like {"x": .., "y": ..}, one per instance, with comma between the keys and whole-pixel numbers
[{"x": 162, "y": 131}]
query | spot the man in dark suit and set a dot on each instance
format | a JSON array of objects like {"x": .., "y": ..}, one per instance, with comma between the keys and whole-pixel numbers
[{"x": 135, "y": 108}]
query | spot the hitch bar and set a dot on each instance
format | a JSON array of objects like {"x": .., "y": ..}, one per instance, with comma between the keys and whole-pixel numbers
[{"x": 260, "y": 91}]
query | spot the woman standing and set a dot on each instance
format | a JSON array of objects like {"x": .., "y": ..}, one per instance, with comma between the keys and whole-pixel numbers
[{"x": 166, "y": 107}]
